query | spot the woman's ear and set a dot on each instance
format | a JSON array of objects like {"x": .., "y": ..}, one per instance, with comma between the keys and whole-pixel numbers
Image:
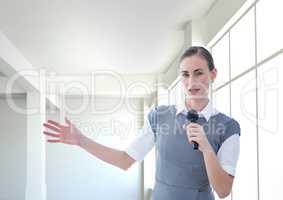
[{"x": 213, "y": 74}]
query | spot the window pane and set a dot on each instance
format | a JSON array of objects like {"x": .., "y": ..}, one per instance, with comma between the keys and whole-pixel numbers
[
  {"x": 221, "y": 100},
  {"x": 269, "y": 27},
  {"x": 242, "y": 40},
  {"x": 243, "y": 98},
  {"x": 177, "y": 94},
  {"x": 172, "y": 96},
  {"x": 162, "y": 96},
  {"x": 220, "y": 54},
  {"x": 270, "y": 129},
  {"x": 180, "y": 94}
]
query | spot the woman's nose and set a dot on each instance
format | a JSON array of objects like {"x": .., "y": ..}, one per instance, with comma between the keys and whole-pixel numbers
[{"x": 191, "y": 81}]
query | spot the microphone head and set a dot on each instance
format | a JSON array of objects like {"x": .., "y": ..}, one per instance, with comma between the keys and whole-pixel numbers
[{"x": 192, "y": 116}]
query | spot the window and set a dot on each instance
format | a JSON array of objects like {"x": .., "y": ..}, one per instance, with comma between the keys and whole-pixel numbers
[
  {"x": 243, "y": 109},
  {"x": 242, "y": 44},
  {"x": 221, "y": 100},
  {"x": 221, "y": 60},
  {"x": 255, "y": 96},
  {"x": 269, "y": 27},
  {"x": 270, "y": 128}
]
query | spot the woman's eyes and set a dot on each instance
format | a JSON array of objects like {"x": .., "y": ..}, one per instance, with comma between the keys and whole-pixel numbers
[{"x": 196, "y": 73}]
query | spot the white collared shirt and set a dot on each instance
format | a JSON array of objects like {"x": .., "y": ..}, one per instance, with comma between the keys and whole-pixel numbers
[
  {"x": 227, "y": 155},
  {"x": 206, "y": 112}
]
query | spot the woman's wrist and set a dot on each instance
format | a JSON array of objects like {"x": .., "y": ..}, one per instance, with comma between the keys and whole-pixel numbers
[
  {"x": 80, "y": 140},
  {"x": 208, "y": 150}
]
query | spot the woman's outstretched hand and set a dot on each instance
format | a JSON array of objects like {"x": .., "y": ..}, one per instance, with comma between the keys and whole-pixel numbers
[{"x": 68, "y": 134}]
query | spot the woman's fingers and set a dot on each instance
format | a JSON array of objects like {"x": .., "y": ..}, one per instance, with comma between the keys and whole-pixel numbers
[
  {"x": 54, "y": 123},
  {"x": 191, "y": 125},
  {"x": 51, "y": 127},
  {"x": 52, "y": 134},
  {"x": 194, "y": 134},
  {"x": 58, "y": 128},
  {"x": 194, "y": 139},
  {"x": 54, "y": 141},
  {"x": 194, "y": 129},
  {"x": 67, "y": 121},
  {"x": 191, "y": 129}
]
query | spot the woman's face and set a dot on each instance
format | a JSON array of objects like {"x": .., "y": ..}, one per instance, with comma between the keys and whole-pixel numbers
[{"x": 195, "y": 76}]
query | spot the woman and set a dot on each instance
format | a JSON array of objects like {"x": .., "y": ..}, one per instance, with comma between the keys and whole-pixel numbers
[{"x": 181, "y": 172}]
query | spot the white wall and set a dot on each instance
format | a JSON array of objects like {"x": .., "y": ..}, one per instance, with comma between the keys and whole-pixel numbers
[
  {"x": 12, "y": 151},
  {"x": 73, "y": 174}
]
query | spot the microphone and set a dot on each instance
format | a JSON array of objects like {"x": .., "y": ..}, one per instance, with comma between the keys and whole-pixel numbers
[{"x": 192, "y": 116}]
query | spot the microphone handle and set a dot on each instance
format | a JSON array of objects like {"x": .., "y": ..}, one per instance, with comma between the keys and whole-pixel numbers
[
  {"x": 192, "y": 116},
  {"x": 195, "y": 144}
]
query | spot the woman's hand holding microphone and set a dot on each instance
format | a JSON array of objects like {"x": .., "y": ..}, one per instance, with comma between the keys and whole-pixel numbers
[{"x": 196, "y": 133}]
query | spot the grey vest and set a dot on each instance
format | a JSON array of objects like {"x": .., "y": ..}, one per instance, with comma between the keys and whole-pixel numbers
[{"x": 180, "y": 170}]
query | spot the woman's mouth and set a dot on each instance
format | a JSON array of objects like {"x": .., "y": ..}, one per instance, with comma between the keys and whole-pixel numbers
[{"x": 194, "y": 90}]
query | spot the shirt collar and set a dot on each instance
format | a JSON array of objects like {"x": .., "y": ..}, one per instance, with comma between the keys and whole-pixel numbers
[{"x": 206, "y": 112}]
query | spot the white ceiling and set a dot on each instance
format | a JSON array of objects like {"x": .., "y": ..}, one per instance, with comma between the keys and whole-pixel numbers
[{"x": 79, "y": 36}]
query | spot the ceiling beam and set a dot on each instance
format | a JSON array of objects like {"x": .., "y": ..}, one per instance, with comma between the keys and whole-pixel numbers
[
  {"x": 6, "y": 88},
  {"x": 15, "y": 66}
]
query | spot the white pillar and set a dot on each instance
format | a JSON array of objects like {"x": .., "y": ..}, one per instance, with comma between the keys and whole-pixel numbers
[
  {"x": 141, "y": 166},
  {"x": 149, "y": 162},
  {"x": 36, "y": 184}
]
